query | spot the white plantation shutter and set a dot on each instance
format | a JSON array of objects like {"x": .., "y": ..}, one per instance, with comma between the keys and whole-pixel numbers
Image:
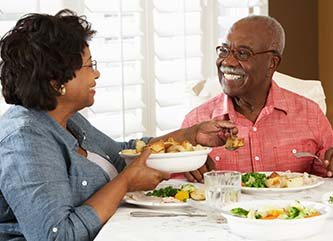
[
  {"x": 177, "y": 59},
  {"x": 150, "y": 54},
  {"x": 118, "y": 108},
  {"x": 232, "y": 10}
]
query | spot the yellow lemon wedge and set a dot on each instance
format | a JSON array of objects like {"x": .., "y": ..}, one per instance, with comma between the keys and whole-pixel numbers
[{"x": 182, "y": 195}]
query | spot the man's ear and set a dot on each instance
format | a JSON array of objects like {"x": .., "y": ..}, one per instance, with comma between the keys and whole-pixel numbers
[{"x": 275, "y": 61}]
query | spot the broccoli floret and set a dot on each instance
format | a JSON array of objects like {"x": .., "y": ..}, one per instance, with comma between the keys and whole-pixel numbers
[
  {"x": 168, "y": 191},
  {"x": 254, "y": 179}
]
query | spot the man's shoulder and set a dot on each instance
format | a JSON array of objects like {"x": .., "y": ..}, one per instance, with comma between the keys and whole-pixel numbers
[
  {"x": 294, "y": 97},
  {"x": 209, "y": 105},
  {"x": 212, "y": 102},
  {"x": 204, "y": 111}
]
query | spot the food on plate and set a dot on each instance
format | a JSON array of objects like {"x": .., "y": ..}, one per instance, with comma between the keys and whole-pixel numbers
[
  {"x": 276, "y": 180},
  {"x": 254, "y": 179},
  {"x": 139, "y": 145},
  {"x": 330, "y": 200},
  {"x": 183, "y": 193},
  {"x": 161, "y": 146},
  {"x": 233, "y": 142},
  {"x": 198, "y": 195},
  {"x": 293, "y": 211},
  {"x": 129, "y": 152}
]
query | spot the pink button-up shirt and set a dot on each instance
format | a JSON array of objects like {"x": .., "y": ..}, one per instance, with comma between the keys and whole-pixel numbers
[{"x": 288, "y": 123}]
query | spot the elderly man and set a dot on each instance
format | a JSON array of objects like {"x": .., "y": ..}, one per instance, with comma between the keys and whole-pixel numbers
[{"x": 275, "y": 123}]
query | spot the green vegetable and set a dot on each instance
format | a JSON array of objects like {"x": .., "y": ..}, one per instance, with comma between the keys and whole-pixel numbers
[
  {"x": 188, "y": 187},
  {"x": 330, "y": 199},
  {"x": 239, "y": 212},
  {"x": 168, "y": 191},
  {"x": 293, "y": 212},
  {"x": 254, "y": 179}
]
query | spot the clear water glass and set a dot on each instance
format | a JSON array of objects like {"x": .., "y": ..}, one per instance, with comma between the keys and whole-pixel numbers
[{"x": 222, "y": 188}]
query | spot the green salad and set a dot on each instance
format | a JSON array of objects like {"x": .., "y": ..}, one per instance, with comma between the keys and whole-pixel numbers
[
  {"x": 254, "y": 179},
  {"x": 293, "y": 211}
]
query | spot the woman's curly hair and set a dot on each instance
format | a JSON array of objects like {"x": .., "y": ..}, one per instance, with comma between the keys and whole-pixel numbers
[{"x": 41, "y": 48}]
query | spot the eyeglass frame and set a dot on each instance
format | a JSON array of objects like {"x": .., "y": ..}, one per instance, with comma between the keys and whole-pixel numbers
[
  {"x": 92, "y": 65},
  {"x": 232, "y": 51}
]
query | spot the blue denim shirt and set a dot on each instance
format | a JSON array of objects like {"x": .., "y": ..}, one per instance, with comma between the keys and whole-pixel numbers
[{"x": 44, "y": 181}]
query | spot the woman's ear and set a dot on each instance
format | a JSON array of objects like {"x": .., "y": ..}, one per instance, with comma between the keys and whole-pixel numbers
[{"x": 59, "y": 89}]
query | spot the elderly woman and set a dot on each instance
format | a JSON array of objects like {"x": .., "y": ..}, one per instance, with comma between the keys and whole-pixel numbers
[{"x": 60, "y": 178}]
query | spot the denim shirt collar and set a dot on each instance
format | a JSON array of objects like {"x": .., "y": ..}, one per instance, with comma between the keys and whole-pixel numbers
[{"x": 73, "y": 137}]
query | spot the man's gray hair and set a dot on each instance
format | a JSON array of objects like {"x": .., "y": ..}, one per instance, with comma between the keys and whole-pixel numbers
[{"x": 276, "y": 30}]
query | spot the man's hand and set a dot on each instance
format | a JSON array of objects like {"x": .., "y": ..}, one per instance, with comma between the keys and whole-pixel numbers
[
  {"x": 214, "y": 132},
  {"x": 197, "y": 175},
  {"x": 329, "y": 162}
]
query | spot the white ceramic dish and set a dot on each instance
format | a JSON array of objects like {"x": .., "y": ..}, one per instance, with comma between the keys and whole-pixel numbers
[
  {"x": 276, "y": 229},
  {"x": 175, "y": 162},
  {"x": 157, "y": 204},
  {"x": 264, "y": 190}
]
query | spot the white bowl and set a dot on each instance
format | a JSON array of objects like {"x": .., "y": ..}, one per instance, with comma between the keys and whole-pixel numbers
[
  {"x": 277, "y": 229},
  {"x": 175, "y": 162}
]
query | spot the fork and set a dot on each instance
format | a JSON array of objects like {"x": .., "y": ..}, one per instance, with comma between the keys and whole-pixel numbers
[{"x": 307, "y": 154}]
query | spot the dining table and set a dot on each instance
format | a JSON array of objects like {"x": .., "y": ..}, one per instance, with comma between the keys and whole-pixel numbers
[{"x": 122, "y": 226}]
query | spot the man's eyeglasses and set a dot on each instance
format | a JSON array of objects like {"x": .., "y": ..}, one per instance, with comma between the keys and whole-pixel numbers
[
  {"x": 241, "y": 53},
  {"x": 93, "y": 65}
]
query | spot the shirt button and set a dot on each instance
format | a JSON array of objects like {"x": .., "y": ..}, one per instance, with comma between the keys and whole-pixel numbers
[
  {"x": 256, "y": 158},
  {"x": 84, "y": 137},
  {"x": 84, "y": 183},
  {"x": 217, "y": 158},
  {"x": 54, "y": 230},
  {"x": 254, "y": 129},
  {"x": 294, "y": 151}
]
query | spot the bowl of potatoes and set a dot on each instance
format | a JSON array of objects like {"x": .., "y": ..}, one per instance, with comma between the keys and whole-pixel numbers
[{"x": 170, "y": 156}]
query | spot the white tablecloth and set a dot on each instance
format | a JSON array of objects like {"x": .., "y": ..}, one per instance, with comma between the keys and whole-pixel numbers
[{"x": 123, "y": 227}]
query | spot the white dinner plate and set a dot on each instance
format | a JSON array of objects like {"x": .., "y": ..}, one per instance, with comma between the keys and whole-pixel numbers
[
  {"x": 254, "y": 190},
  {"x": 157, "y": 202}
]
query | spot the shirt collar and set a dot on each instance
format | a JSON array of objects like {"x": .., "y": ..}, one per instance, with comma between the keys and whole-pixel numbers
[{"x": 275, "y": 100}]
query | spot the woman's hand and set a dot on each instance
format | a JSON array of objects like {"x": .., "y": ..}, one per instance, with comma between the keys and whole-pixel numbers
[{"x": 140, "y": 177}]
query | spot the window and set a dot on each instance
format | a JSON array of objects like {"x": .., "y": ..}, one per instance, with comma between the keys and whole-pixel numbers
[{"x": 150, "y": 55}]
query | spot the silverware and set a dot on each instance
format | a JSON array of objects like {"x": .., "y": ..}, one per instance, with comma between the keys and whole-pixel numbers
[
  {"x": 165, "y": 214},
  {"x": 307, "y": 154}
]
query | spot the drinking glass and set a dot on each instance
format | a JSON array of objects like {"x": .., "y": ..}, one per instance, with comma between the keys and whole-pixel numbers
[{"x": 221, "y": 188}]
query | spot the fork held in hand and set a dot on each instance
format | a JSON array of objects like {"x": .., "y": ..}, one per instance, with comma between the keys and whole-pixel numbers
[{"x": 307, "y": 154}]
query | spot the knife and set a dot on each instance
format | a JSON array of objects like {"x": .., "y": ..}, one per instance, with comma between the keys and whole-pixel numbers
[{"x": 164, "y": 214}]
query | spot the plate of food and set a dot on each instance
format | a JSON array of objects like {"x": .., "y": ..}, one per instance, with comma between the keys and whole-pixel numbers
[
  {"x": 170, "y": 156},
  {"x": 276, "y": 219},
  {"x": 167, "y": 196},
  {"x": 277, "y": 182}
]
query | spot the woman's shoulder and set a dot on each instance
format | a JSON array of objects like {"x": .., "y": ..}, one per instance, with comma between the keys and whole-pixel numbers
[{"x": 18, "y": 120}]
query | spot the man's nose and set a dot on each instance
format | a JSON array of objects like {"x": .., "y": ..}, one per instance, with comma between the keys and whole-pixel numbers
[{"x": 230, "y": 60}]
